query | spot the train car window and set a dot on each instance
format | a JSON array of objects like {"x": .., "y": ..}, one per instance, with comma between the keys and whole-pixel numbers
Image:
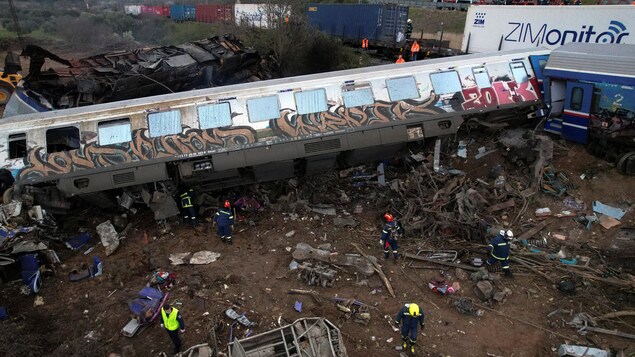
[
  {"x": 17, "y": 146},
  {"x": 311, "y": 101},
  {"x": 114, "y": 131},
  {"x": 214, "y": 115},
  {"x": 445, "y": 82},
  {"x": 263, "y": 109},
  {"x": 481, "y": 77},
  {"x": 519, "y": 72},
  {"x": 402, "y": 88},
  {"x": 62, "y": 139},
  {"x": 164, "y": 123},
  {"x": 577, "y": 94},
  {"x": 357, "y": 96}
]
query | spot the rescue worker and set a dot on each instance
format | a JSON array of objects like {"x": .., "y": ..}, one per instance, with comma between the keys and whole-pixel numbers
[
  {"x": 188, "y": 211},
  {"x": 411, "y": 316},
  {"x": 408, "y": 29},
  {"x": 173, "y": 322},
  {"x": 389, "y": 235},
  {"x": 400, "y": 59},
  {"x": 499, "y": 250},
  {"x": 414, "y": 50},
  {"x": 224, "y": 219}
]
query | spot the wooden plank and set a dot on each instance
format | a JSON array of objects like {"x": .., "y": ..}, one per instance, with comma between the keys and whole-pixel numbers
[
  {"x": 501, "y": 206},
  {"x": 540, "y": 226},
  {"x": 430, "y": 260}
]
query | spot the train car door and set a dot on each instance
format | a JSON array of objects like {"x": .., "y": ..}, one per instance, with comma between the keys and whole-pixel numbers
[
  {"x": 577, "y": 107},
  {"x": 538, "y": 63}
]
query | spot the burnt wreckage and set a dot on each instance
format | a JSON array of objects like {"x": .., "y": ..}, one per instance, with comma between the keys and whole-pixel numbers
[{"x": 121, "y": 75}]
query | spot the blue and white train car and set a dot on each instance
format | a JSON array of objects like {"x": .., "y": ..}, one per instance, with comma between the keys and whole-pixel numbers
[{"x": 590, "y": 90}]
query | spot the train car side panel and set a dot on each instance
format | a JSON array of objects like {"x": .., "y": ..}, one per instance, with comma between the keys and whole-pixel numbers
[{"x": 302, "y": 124}]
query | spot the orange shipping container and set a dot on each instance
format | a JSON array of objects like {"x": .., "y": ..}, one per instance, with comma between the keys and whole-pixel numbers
[{"x": 214, "y": 13}]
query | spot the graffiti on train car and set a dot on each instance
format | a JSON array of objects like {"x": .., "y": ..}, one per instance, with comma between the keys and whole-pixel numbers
[
  {"x": 197, "y": 142},
  {"x": 339, "y": 117},
  {"x": 38, "y": 164},
  {"x": 501, "y": 92}
]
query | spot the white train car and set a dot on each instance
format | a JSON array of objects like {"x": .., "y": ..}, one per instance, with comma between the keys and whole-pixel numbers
[{"x": 266, "y": 130}]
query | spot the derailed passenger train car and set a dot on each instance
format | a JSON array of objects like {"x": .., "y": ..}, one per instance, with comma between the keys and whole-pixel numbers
[{"x": 239, "y": 134}]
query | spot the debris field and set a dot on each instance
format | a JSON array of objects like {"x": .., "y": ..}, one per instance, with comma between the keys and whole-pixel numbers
[{"x": 309, "y": 248}]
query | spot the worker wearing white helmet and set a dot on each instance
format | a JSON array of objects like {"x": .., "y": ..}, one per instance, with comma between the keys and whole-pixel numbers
[
  {"x": 408, "y": 29},
  {"x": 499, "y": 250}
]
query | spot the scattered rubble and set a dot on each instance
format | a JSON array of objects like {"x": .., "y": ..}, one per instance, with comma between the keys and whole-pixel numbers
[{"x": 565, "y": 260}]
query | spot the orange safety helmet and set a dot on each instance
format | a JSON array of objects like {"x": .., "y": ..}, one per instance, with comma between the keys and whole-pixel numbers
[
  {"x": 227, "y": 204},
  {"x": 388, "y": 217}
]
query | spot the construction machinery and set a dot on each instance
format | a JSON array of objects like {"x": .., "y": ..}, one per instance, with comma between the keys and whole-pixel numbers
[{"x": 9, "y": 77}]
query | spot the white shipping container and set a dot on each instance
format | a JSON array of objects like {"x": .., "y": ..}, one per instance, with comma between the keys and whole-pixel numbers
[
  {"x": 259, "y": 15},
  {"x": 132, "y": 10},
  {"x": 490, "y": 28}
]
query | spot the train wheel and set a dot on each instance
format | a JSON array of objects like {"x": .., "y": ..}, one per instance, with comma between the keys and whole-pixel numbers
[
  {"x": 6, "y": 196},
  {"x": 626, "y": 163},
  {"x": 5, "y": 94}
]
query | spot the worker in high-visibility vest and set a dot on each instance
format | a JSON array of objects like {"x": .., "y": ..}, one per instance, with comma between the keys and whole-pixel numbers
[
  {"x": 187, "y": 206},
  {"x": 400, "y": 59},
  {"x": 414, "y": 50},
  {"x": 365, "y": 44},
  {"x": 173, "y": 322}
]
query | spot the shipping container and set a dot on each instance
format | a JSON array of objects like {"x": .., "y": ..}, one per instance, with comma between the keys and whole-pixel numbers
[
  {"x": 134, "y": 10},
  {"x": 381, "y": 24},
  {"x": 260, "y": 15},
  {"x": 214, "y": 13},
  {"x": 498, "y": 28},
  {"x": 182, "y": 13},
  {"x": 147, "y": 9},
  {"x": 162, "y": 10}
]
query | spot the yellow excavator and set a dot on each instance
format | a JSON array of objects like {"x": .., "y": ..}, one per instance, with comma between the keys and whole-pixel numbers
[
  {"x": 8, "y": 81},
  {"x": 9, "y": 76}
]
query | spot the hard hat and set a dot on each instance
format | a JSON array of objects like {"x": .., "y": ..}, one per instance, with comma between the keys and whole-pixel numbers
[
  {"x": 388, "y": 217},
  {"x": 227, "y": 204},
  {"x": 502, "y": 232},
  {"x": 413, "y": 310},
  {"x": 409, "y": 21},
  {"x": 509, "y": 234}
]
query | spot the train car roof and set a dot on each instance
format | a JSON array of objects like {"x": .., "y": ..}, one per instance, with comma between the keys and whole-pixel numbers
[
  {"x": 592, "y": 61},
  {"x": 387, "y": 70}
]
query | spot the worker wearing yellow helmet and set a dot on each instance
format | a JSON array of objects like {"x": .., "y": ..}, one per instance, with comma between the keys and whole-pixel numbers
[{"x": 412, "y": 317}]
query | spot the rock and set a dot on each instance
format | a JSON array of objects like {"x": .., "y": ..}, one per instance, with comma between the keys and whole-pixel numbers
[
  {"x": 499, "y": 296},
  {"x": 484, "y": 290},
  {"x": 461, "y": 274},
  {"x": 109, "y": 237},
  {"x": 290, "y": 234},
  {"x": 325, "y": 246},
  {"x": 324, "y": 209},
  {"x": 204, "y": 257},
  {"x": 120, "y": 222},
  {"x": 345, "y": 222},
  {"x": 481, "y": 274}
]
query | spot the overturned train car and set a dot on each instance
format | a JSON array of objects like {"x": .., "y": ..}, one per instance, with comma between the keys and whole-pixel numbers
[
  {"x": 122, "y": 75},
  {"x": 240, "y": 134}
]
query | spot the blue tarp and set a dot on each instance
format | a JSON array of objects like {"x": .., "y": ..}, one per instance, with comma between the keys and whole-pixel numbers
[{"x": 614, "y": 212}]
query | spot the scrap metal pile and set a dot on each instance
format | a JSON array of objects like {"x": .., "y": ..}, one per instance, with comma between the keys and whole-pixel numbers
[{"x": 121, "y": 75}]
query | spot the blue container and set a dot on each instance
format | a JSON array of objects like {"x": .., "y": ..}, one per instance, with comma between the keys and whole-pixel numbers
[
  {"x": 381, "y": 24},
  {"x": 181, "y": 13}
]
